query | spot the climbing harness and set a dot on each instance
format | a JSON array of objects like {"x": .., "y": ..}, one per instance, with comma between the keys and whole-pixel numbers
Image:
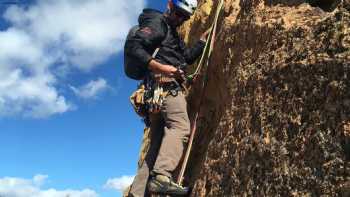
[
  {"x": 204, "y": 60},
  {"x": 147, "y": 101},
  {"x": 151, "y": 93},
  {"x": 149, "y": 96}
]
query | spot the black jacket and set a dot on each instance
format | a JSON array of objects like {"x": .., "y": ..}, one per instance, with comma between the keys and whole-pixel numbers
[{"x": 156, "y": 32}]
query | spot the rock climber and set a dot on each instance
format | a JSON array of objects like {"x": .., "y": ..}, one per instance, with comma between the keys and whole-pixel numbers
[{"x": 171, "y": 126}]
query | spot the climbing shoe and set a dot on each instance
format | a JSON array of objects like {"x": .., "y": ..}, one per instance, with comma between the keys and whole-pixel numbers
[{"x": 161, "y": 184}]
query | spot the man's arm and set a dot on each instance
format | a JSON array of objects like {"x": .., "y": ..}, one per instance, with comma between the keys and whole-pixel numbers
[
  {"x": 147, "y": 38},
  {"x": 191, "y": 54},
  {"x": 168, "y": 70}
]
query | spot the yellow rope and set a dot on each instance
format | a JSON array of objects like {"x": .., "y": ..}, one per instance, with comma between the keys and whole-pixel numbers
[
  {"x": 210, "y": 42},
  {"x": 207, "y": 50}
]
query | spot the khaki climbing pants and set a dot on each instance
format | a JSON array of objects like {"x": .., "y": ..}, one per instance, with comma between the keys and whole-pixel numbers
[{"x": 169, "y": 131}]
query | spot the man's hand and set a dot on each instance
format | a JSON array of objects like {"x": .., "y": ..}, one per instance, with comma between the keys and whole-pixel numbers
[
  {"x": 165, "y": 69},
  {"x": 179, "y": 74},
  {"x": 205, "y": 35}
]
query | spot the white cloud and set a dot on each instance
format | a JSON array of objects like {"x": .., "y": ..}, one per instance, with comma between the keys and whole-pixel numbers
[
  {"x": 31, "y": 96},
  {"x": 120, "y": 183},
  {"x": 82, "y": 32},
  {"x": 39, "y": 179},
  {"x": 19, "y": 187},
  {"x": 51, "y": 36},
  {"x": 91, "y": 89}
]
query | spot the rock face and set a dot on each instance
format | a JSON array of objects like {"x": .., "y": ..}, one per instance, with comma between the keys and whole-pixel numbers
[{"x": 275, "y": 115}]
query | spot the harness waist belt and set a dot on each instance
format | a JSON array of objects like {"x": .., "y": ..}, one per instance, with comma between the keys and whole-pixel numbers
[{"x": 168, "y": 86}]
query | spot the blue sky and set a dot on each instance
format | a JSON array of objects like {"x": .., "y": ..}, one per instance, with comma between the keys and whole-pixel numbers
[{"x": 65, "y": 119}]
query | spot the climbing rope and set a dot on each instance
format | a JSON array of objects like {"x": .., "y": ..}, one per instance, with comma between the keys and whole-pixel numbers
[
  {"x": 203, "y": 60},
  {"x": 208, "y": 49}
]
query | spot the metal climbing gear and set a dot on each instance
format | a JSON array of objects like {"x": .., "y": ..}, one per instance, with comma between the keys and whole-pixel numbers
[
  {"x": 156, "y": 101},
  {"x": 148, "y": 97},
  {"x": 137, "y": 100}
]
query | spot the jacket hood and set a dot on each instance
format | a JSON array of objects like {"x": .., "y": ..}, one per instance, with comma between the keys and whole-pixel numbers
[{"x": 150, "y": 14}]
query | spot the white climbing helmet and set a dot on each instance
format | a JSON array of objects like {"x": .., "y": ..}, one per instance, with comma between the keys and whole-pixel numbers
[{"x": 187, "y": 6}]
